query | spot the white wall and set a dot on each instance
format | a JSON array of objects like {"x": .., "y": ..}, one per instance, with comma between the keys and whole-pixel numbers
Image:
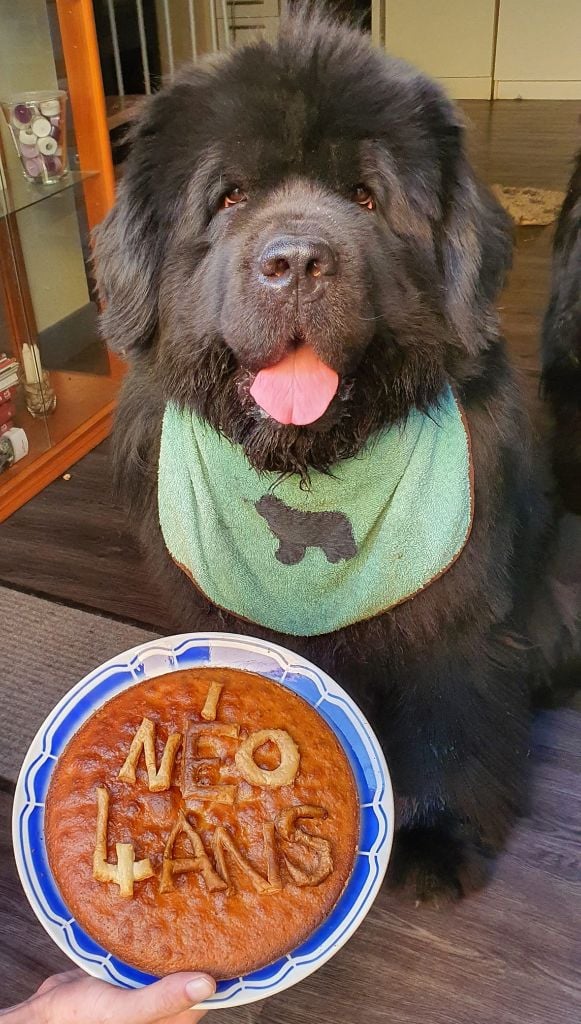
[
  {"x": 449, "y": 39},
  {"x": 538, "y": 49}
]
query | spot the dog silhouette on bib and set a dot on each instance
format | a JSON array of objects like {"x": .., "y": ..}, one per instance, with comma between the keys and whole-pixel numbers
[{"x": 296, "y": 531}]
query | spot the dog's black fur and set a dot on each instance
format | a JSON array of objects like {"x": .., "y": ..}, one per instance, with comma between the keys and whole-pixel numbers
[
  {"x": 444, "y": 677},
  {"x": 562, "y": 344}
]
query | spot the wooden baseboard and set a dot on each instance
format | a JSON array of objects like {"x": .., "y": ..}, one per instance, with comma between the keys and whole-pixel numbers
[
  {"x": 551, "y": 90},
  {"x": 477, "y": 88}
]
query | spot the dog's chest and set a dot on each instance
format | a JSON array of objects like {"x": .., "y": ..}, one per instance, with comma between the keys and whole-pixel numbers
[{"x": 372, "y": 534}]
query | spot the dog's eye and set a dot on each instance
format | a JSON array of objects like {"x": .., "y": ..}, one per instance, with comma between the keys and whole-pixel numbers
[
  {"x": 232, "y": 198},
  {"x": 363, "y": 197}
]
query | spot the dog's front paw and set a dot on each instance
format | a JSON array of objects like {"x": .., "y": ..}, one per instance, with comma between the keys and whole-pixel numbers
[{"x": 437, "y": 865}]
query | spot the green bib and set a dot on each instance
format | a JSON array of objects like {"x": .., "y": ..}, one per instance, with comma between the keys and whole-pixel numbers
[{"x": 382, "y": 527}]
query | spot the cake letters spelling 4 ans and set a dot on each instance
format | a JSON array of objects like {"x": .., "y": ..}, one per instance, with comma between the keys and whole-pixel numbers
[
  {"x": 207, "y": 819},
  {"x": 195, "y": 787}
]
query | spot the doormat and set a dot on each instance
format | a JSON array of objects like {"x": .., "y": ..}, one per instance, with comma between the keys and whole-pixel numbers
[{"x": 534, "y": 206}]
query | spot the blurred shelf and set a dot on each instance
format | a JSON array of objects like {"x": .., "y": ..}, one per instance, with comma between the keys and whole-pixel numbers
[
  {"x": 82, "y": 418},
  {"x": 18, "y": 194}
]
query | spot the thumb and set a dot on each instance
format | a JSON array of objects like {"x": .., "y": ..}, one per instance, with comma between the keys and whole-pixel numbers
[{"x": 165, "y": 998}]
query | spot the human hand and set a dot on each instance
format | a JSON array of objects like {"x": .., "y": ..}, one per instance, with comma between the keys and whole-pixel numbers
[{"x": 75, "y": 998}]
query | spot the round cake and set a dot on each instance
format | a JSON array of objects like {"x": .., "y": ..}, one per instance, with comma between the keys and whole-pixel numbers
[{"x": 204, "y": 820}]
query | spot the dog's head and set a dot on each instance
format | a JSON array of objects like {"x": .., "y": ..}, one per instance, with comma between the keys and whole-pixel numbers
[{"x": 300, "y": 245}]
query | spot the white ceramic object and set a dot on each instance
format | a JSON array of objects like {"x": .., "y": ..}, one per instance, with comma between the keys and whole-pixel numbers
[{"x": 196, "y": 650}]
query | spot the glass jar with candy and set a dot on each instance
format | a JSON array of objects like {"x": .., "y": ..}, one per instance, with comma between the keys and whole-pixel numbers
[{"x": 37, "y": 122}]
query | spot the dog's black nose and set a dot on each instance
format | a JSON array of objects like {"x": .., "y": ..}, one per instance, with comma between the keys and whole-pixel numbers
[{"x": 291, "y": 262}]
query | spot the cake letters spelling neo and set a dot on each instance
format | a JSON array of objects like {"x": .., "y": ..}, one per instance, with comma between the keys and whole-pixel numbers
[{"x": 305, "y": 858}]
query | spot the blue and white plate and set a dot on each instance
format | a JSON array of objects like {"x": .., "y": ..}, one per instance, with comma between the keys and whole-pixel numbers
[{"x": 195, "y": 650}]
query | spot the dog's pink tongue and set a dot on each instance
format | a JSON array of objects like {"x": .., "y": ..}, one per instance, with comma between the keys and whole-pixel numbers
[{"x": 296, "y": 390}]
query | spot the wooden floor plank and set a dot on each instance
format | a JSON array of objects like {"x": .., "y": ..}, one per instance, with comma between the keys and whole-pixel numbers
[{"x": 73, "y": 544}]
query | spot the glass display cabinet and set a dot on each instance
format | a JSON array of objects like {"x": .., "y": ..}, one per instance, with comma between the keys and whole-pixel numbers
[{"x": 57, "y": 382}]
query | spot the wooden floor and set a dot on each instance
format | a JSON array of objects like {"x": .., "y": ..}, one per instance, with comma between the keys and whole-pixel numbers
[{"x": 508, "y": 956}]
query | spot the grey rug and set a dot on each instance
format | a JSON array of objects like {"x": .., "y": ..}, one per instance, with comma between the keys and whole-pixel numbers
[{"x": 45, "y": 648}]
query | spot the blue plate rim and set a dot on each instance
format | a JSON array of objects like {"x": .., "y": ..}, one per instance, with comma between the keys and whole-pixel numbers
[{"x": 169, "y": 651}]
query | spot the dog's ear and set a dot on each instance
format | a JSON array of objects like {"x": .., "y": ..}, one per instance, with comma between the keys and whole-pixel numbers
[
  {"x": 474, "y": 236},
  {"x": 128, "y": 250}
]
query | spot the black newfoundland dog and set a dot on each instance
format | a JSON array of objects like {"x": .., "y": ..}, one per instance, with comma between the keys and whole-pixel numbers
[
  {"x": 562, "y": 344},
  {"x": 312, "y": 203}
]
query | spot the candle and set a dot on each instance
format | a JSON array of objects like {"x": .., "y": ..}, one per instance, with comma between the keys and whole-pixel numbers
[{"x": 31, "y": 364}]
